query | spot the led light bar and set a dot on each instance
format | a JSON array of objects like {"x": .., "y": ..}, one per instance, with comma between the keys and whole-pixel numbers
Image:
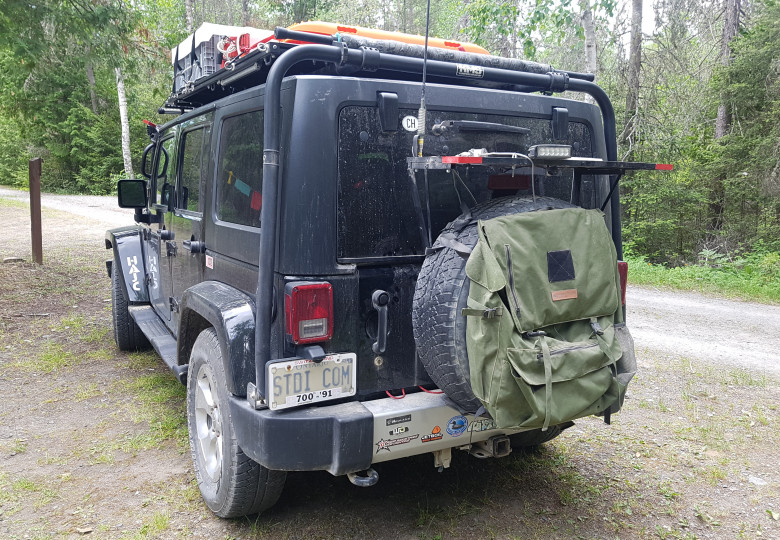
[{"x": 550, "y": 151}]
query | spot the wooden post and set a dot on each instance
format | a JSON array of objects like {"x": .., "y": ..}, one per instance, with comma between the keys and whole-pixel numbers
[{"x": 35, "y": 210}]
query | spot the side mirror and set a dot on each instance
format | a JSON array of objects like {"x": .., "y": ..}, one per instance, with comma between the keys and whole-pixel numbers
[
  {"x": 132, "y": 193},
  {"x": 145, "y": 161}
]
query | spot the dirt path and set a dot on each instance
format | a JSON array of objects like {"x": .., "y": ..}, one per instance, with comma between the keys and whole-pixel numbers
[
  {"x": 743, "y": 334},
  {"x": 97, "y": 208},
  {"x": 93, "y": 441}
]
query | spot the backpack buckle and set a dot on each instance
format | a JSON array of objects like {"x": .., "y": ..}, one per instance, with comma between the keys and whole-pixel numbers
[
  {"x": 596, "y": 327},
  {"x": 536, "y": 333},
  {"x": 489, "y": 313}
]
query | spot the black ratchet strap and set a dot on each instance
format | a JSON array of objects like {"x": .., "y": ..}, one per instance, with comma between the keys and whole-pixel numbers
[{"x": 448, "y": 240}]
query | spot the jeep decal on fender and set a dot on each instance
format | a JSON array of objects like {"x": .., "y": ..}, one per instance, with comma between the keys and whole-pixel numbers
[{"x": 132, "y": 262}]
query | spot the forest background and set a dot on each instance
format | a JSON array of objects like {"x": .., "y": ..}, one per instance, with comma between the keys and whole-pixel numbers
[{"x": 696, "y": 84}]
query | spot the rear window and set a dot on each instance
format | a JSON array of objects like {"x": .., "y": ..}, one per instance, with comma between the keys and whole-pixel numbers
[
  {"x": 377, "y": 217},
  {"x": 240, "y": 174}
]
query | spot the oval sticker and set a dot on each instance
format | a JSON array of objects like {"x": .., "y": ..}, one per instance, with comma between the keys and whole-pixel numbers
[{"x": 409, "y": 123}]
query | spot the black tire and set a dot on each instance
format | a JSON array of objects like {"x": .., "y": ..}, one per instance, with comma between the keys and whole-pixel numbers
[
  {"x": 532, "y": 439},
  {"x": 441, "y": 292},
  {"x": 127, "y": 335},
  {"x": 230, "y": 483}
]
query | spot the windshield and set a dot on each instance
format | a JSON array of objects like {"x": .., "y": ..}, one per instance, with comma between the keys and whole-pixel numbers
[{"x": 378, "y": 216}]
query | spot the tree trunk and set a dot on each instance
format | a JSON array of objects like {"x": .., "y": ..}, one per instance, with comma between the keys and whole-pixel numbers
[
  {"x": 245, "y": 12},
  {"x": 120, "y": 91},
  {"x": 717, "y": 204},
  {"x": 591, "y": 56},
  {"x": 463, "y": 20},
  {"x": 92, "y": 94},
  {"x": 188, "y": 13},
  {"x": 634, "y": 67}
]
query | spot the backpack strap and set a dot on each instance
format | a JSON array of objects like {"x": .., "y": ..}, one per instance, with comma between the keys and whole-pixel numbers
[
  {"x": 489, "y": 313},
  {"x": 547, "y": 379},
  {"x": 599, "y": 333}
]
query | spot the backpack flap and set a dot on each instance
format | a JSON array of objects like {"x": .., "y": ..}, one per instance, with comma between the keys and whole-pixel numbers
[{"x": 560, "y": 265}]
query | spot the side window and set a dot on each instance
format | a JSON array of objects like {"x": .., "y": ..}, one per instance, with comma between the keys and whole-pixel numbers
[
  {"x": 240, "y": 175},
  {"x": 163, "y": 171},
  {"x": 193, "y": 170}
]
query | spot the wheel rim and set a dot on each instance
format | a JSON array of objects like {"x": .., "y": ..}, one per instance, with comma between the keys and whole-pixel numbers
[{"x": 208, "y": 422}]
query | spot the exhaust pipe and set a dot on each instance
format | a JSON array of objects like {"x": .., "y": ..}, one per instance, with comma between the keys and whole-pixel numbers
[{"x": 367, "y": 478}]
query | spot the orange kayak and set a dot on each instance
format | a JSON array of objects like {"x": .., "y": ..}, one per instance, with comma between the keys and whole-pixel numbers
[{"x": 329, "y": 29}]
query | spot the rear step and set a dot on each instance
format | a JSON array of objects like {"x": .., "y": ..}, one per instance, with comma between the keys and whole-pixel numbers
[{"x": 160, "y": 338}]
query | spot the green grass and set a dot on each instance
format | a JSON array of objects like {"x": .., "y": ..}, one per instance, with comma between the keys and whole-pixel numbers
[
  {"x": 87, "y": 391},
  {"x": 12, "y": 203},
  {"x": 157, "y": 524},
  {"x": 756, "y": 278},
  {"x": 51, "y": 359}
]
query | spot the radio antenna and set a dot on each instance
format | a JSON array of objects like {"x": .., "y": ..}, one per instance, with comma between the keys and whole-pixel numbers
[{"x": 421, "y": 112}]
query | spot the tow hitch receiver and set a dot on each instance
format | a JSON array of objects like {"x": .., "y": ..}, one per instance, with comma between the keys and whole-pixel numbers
[{"x": 498, "y": 446}]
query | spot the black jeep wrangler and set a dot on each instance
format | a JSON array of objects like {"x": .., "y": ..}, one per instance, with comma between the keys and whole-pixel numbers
[{"x": 285, "y": 218}]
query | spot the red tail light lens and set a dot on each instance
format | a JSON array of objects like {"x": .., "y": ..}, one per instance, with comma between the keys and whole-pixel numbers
[
  {"x": 308, "y": 311},
  {"x": 623, "y": 271}
]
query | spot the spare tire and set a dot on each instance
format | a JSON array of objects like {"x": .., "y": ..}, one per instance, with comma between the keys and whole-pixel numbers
[{"x": 442, "y": 290}]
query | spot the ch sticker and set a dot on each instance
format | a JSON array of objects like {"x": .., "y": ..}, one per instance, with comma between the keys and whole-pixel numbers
[
  {"x": 409, "y": 123},
  {"x": 132, "y": 262}
]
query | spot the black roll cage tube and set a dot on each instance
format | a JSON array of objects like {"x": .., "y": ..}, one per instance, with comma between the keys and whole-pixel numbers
[{"x": 340, "y": 55}]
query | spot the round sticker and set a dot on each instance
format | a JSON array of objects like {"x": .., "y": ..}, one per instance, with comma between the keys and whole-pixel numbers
[
  {"x": 409, "y": 123},
  {"x": 457, "y": 425}
]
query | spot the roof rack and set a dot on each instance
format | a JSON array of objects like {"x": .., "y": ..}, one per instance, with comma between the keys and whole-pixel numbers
[{"x": 252, "y": 68}]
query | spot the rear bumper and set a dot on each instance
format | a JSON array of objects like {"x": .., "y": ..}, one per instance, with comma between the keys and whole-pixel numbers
[
  {"x": 336, "y": 438},
  {"x": 349, "y": 437}
]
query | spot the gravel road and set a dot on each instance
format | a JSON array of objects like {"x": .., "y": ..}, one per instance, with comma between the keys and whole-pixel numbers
[
  {"x": 98, "y": 208},
  {"x": 684, "y": 324},
  {"x": 708, "y": 329}
]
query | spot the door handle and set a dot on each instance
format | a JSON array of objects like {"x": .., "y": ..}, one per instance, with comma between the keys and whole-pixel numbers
[
  {"x": 194, "y": 246},
  {"x": 380, "y": 299}
]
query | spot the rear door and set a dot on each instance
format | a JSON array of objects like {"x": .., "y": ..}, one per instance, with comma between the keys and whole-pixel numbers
[
  {"x": 387, "y": 219},
  {"x": 187, "y": 251}
]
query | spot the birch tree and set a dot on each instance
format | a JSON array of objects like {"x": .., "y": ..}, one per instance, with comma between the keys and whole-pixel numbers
[
  {"x": 120, "y": 91},
  {"x": 589, "y": 29}
]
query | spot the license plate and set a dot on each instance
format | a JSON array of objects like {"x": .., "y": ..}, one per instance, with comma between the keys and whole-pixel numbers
[{"x": 300, "y": 382}]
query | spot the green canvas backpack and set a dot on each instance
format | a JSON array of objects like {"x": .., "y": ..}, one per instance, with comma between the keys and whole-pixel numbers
[{"x": 543, "y": 300}]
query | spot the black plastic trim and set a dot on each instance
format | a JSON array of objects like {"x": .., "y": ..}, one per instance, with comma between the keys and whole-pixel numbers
[{"x": 336, "y": 438}]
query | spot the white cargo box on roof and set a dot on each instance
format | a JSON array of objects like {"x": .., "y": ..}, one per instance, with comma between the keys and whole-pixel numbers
[
  {"x": 208, "y": 31},
  {"x": 198, "y": 56}
]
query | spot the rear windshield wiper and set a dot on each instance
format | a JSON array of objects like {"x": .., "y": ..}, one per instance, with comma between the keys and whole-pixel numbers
[{"x": 473, "y": 125}]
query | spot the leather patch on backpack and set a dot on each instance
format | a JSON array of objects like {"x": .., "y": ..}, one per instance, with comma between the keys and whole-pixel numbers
[
  {"x": 560, "y": 266},
  {"x": 567, "y": 294}
]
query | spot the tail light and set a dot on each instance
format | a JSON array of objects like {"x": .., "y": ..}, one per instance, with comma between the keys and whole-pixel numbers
[
  {"x": 623, "y": 271},
  {"x": 308, "y": 311}
]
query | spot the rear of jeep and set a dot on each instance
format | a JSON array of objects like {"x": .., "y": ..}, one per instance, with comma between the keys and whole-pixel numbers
[
  {"x": 352, "y": 241},
  {"x": 306, "y": 341}
]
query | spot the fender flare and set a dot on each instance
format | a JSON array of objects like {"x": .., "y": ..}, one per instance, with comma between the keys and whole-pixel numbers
[
  {"x": 126, "y": 245},
  {"x": 232, "y": 315}
]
